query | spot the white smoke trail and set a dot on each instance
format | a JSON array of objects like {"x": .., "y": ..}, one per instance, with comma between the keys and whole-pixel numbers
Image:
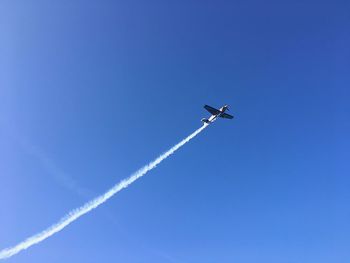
[{"x": 76, "y": 213}]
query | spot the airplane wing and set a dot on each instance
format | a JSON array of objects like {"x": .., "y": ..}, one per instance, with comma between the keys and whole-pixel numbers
[
  {"x": 211, "y": 110},
  {"x": 226, "y": 116}
]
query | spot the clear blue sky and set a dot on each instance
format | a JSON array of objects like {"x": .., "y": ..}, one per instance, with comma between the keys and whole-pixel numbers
[{"x": 90, "y": 91}]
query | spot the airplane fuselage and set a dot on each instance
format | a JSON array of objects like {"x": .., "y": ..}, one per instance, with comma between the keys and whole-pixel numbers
[
  {"x": 215, "y": 116},
  {"x": 223, "y": 109}
]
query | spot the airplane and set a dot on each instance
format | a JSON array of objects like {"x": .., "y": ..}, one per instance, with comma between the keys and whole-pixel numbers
[{"x": 215, "y": 113}]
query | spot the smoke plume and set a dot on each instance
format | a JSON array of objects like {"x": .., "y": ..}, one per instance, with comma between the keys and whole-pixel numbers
[{"x": 78, "y": 212}]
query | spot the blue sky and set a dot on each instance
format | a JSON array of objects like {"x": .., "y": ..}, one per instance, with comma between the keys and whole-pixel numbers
[{"x": 92, "y": 91}]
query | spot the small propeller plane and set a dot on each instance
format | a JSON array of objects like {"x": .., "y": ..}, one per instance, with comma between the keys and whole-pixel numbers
[{"x": 215, "y": 113}]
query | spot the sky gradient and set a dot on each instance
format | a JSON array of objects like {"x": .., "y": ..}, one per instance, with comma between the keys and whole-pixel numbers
[{"x": 90, "y": 92}]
